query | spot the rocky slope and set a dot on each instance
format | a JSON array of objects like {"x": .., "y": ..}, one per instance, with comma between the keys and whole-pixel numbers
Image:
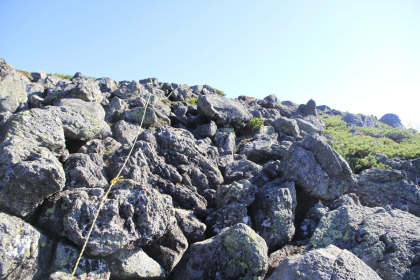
[{"x": 215, "y": 188}]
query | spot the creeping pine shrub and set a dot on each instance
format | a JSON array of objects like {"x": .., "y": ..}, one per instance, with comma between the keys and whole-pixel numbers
[
  {"x": 359, "y": 147},
  {"x": 255, "y": 124}
]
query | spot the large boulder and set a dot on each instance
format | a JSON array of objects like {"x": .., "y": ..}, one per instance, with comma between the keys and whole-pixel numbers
[
  {"x": 223, "y": 110},
  {"x": 286, "y": 126},
  {"x": 385, "y": 239},
  {"x": 65, "y": 259},
  {"x": 317, "y": 168},
  {"x": 80, "y": 87},
  {"x": 190, "y": 225},
  {"x": 132, "y": 213},
  {"x": 12, "y": 88},
  {"x": 81, "y": 120},
  {"x": 352, "y": 119},
  {"x": 21, "y": 246},
  {"x": 273, "y": 212},
  {"x": 391, "y": 120},
  {"x": 382, "y": 187},
  {"x": 235, "y": 253},
  {"x": 324, "y": 263}
]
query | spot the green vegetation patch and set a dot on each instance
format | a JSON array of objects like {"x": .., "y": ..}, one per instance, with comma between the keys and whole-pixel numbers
[
  {"x": 359, "y": 144},
  {"x": 67, "y": 77},
  {"x": 192, "y": 101},
  {"x": 255, "y": 124}
]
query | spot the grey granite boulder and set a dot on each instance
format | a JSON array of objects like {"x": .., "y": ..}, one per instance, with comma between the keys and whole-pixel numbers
[
  {"x": 12, "y": 88},
  {"x": 206, "y": 130},
  {"x": 132, "y": 213},
  {"x": 352, "y": 119},
  {"x": 308, "y": 109},
  {"x": 324, "y": 264},
  {"x": 306, "y": 127},
  {"x": 190, "y": 225},
  {"x": 28, "y": 175},
  {"x": 382, "y": 187},
  {"x": 235, "y": 253},
  {"x": 387, "y": 240},
  {"x": 81, "y": 120},
  {"x": 65, "y": 258},
  {"x": 286, "y": 126},
  {"x": 82, "y": 88},
  {"x": 135, "y": 264},
  {"x": 135, "y": 115},
  {"x": 85, "y": 171},
  {"x": 125, "y": 132},
  {"x": 131, "y": 90},
  {"x": 21, "y": 246},
  {"x": 228, "y": 215},
  {"x": 241, "y": 169},
  {"x": 317, "y": 168},
  {"x": 391, "y": 120},
  {"x": 223, "y": 110},
  {"x": 240, "y": 191},
  {"x": 273, "y": 212}
]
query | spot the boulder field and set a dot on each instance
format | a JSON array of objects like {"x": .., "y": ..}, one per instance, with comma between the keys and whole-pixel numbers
[{"x": 211, "y": 187}]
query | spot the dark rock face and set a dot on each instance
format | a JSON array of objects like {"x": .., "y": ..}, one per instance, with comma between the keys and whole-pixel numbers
[
  {"x": 202, "y": 195},
  {"x": 235, "y": 253},
  {"x": 317, "y": 168},
  {"x": 387, "y": 240},
  {"x": 381, "y": 187},
  {"x": 325, "y": 263},
  {"x": 391, "y": 120}
]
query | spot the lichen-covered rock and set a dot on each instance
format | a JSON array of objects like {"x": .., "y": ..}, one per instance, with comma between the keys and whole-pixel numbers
[
  {"x": 125, "y": 132},
  {"x": 273, "y": 212},
  {"x": 322, "y": 264},
  {"x": 190, "y": 225},
  {"x": 132, "y": 213},
  {"x": 241, "y": 169},
  {"x": 135, "y": 264},
  {"x": 81, "y": 120},
  {"x": 286, "y": 126},
  {"x": 85, "y": 171},
  {"x": 387, "y": 240},
  {"x": 240, "y": 191},
  {"x": 228, "y": 215},
  {"x": 135, "y": 115},
  {"x": 104, "y": 148},
  {"x": 80, "y": 87},
  {"x": 277, "y": 257},
  {"x": 20, "y": 246},
  {"x": 223, "y": 110},
  {"x": 235, "y": 253},
  {"x": 28, "y": 175},
  {"x": 12, "y": 88},
  {"x": 65, "y": 259},
  {"x": 318, "y": 169},
  {"x": 38, "y": 127},
  {"x": 382, "y": 187},
  {"x": 131, "y": 90}
]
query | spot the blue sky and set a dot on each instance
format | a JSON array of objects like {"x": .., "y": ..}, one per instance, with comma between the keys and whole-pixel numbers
[{"x": 356, "y": 56}]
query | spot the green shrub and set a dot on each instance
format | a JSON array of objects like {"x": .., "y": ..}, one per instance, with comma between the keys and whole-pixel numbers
[
  {"x": 192, "y": 101},
  {"x": 255, "y": 124},
  {"x": 220, "y": 92},
  {"x": 359, "y": 147},
  {"x": 67, "y": 77}
]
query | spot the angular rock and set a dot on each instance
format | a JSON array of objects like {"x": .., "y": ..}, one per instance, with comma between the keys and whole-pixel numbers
[
  {"x": 308, "y": 109},
  {"x": 21, "y": 246},
  {"x": 228, "y": 215},
  {"x": 277, "y": 257},
  {"x": 391, "y": 120},
  {"x": 131, "y": 90},
  {"x": 12, "y": 88},
  {"x": 241, "y": 169},
  {"x": 235, "y": 253},
  {"x": 306, "y": 127},
  {"x": 65, "y": 259},
  {"x": 382, "y": 187},
  {"x": 132, "y": 213},
  {"x": 104, "y": 148},
  {"x": 85, "y": 171},
  {"x": 273, "y": 212},
  {"x": 181, "y": 93},
  {"x": 206, "y": 130},
  {"x": 107, "y": 84},
  {"x": 135, "y": 115},
  {"x": 82, "y": 88},
  {"x": 387, "y": 240},
  {"x": 240, "y": 191},
  {"x": 324, "y": 263},
  {"x": 263, "y": 149},
  {"x": 113, "y": 108},
  {"x": 190, "y": 225},
  {"x": 135, "y": 264},
  {"x": 125, "y": 132},
  {"x": 81, "y": 120},
  {"x": 223, "y": 110},
  {"x": 28, "y": 175},
  {"x": 286, "y": 126},
  {"x": 318, "y": 169},
  {"x": 352, "y": 119}
]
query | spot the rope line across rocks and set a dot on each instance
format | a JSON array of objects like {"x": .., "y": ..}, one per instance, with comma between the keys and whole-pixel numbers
[{"x": 113, "y": 182}]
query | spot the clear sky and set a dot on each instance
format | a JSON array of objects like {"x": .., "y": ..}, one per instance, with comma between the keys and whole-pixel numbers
[{"x": 361, "y": 56}]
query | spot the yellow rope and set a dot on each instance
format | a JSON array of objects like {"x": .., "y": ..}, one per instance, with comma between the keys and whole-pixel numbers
[{"x": 113, "y": 182}]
